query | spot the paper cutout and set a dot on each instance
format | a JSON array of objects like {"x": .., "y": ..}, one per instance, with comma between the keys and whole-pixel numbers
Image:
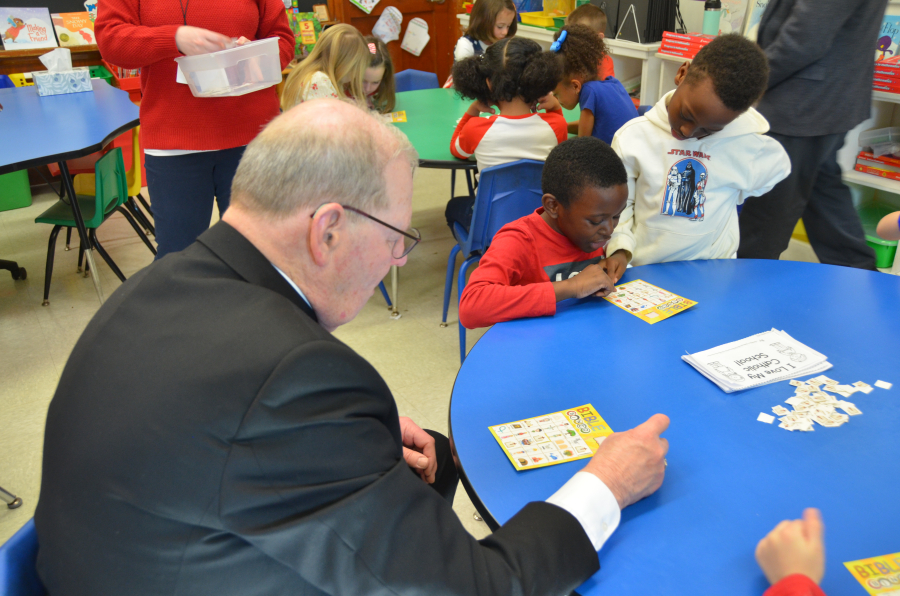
[
  {"x": 387, "y": 28},
  {"x": 416, "y": 37},
  {"x": 366, "y": 5}
]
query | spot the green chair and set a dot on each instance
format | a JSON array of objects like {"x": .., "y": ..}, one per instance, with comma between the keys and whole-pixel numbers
[{"x": 111, "y": 191}]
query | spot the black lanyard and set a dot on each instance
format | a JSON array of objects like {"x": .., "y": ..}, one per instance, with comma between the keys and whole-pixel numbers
[{"x": 184, "y": 7}]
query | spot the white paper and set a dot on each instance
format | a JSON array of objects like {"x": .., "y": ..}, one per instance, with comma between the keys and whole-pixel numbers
[
  {"x": 763, "y": 417},
  {"x": 883, "y": 384},
  {"x": 416, "y": 37},
  {"x": 366, "y": 5},
  {"x": 387, "y": 28},
  {"x": 59, "y": 60},
  {"x": 757, "y": 360}
]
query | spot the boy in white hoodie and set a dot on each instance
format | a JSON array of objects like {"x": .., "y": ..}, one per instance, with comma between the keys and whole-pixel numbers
[{"x": 694, "y": 158}]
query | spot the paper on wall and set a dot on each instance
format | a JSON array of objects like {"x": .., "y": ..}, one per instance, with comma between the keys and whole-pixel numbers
[
  {"x": 387, "y": 28},
  {"x": 365, "y": 5},
  {"x": 416, "y": 37}
]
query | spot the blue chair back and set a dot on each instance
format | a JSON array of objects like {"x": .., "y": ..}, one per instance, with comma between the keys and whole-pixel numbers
[
  {"x": 414, "y": 80},
  {"x": 6, "y": 82},
  {"x": 505, "y": 193},
  {"x": 18, "y": 556},
  {"x": 643, "y": 110}
]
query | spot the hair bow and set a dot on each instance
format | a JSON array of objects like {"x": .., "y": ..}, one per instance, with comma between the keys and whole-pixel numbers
[
  {"x": 372, "y": 48},
  {"x": 556, "y": 45}
]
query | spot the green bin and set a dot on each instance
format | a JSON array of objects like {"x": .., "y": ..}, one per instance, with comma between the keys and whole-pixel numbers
[
  {"x": 870, "y": 214},
  {"x": 98, "y": 71},
  {"x": 15, "y": 191}
]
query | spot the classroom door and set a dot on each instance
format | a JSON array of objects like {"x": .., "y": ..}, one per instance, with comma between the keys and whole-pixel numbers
[{"x": 443, "y": 27}]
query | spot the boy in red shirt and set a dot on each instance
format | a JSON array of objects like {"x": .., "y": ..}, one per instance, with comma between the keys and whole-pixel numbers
[{"x": 555, "y": 253}]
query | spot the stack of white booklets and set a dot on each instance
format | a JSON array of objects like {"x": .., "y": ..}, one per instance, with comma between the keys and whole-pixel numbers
[{"x": 757, "y": 360}]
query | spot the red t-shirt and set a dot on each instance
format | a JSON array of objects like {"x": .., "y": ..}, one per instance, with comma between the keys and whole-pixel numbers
[
  {"x": 513, "y": 279},
  {"x": 606, "y": 68},
  {"x": 795, "y": 585}
]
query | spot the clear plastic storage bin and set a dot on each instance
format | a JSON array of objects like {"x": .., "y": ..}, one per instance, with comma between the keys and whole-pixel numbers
[
  {"x": 882, "y": 141},
  {"x": 235, "y": 71}
]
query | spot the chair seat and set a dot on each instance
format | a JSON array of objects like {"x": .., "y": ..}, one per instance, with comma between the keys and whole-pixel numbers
[{"x": 60, "y": 214}]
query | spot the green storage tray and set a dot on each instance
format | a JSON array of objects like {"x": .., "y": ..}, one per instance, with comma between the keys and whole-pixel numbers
[
  {"x": 15, "y": 192},
  {"x": 98, "y": 71},
  {"x": 885, "y": 250}
]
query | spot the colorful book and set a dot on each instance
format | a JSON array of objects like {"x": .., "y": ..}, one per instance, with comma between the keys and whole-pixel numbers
[
  {"x": 887, "y": 43},
  {"x": 877, "y": 172},
  {"x": 689, "y": 37},
  {"x": 74, "y": 29},
  {"x": 647, "y": 302},
  {"x": 27, "y": 28},
  {"x": 877, "y": 165},
  {"x": 885, "y": 159}
]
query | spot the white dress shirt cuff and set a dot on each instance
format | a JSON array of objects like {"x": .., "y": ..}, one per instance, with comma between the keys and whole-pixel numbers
[{"x": 593, "y": 505}]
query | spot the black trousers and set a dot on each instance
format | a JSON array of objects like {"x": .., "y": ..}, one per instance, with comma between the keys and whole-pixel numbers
[
  {"x": 447, "y": 477},
  {"x": 814, "y": 191}
]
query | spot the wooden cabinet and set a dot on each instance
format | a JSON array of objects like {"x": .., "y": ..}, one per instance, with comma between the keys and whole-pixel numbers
[{"x": 443, "y": 27}]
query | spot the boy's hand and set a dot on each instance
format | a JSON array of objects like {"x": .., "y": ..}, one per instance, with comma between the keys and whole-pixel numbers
[
  {"x": 478, "y": 107},
  {"x": 548, "y": 102},
  {"x": 615, "y": 265},
  {"x": 794, "y": 547},
  {"x": 593, "y": 280}
]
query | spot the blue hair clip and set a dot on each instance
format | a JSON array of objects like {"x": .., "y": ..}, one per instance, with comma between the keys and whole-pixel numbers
[{"x": 558, "y": 43}]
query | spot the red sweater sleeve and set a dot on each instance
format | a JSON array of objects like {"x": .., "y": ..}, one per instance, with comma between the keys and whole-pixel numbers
[
  {"x": 468, "y": 133},
  {"x": 495, "y": 292},
  {"x": 123, "y": 41},
  {"x": 557, "y": 121},
  {"x": 795, "y": 585},
  {"x": 273, "y": 22}
]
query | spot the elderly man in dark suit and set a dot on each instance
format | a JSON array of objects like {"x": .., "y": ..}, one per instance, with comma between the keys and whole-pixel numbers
[
  {"x": 821, "y": 61},
  {"x": 210, "y": 436}
]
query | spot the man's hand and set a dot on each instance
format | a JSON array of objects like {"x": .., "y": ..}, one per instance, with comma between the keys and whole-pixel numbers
[
  {"x": 615, "y": 265},
  {"x": 632, "y": 463},
  {"x": 418, "y": 449},
  {"x": 478, "y": 107},
  {"x": 794, "y": 547},
  {"x": 548, "y": 102},
  {"x": 592, "y": 281},
  {"x": 194, "y": 40}
]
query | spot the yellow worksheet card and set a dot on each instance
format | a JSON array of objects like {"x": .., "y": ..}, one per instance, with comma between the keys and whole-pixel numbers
[
  {"x": 648, "y": 302},
  {"x": 552, "y": 438},
  {"x": 878, "y": 575}
]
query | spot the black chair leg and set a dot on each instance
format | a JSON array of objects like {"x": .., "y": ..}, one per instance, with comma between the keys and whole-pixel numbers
[
  {"x": 81, "y": 260},
  {"x": 106, "y": 257},
  {"x": 145, "y": 204},
  {"x": 48, "y": 273},
  {"x": 137, "y": 228},
  {"x": 452, "y": 183},
  {"x": 11, "y": 500},
  {"x": 132, "y": 206},
  {"x": 68, "y": 238}
]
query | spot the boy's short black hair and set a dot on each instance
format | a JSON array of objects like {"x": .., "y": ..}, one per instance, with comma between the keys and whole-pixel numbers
[
  {"x": 579, "y": 163},
  {"x": 737, "y": 67},
  {"x": 516, "y": 67}
]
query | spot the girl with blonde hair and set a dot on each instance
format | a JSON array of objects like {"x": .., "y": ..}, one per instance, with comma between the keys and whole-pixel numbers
[{"x": 335, "y": 68}]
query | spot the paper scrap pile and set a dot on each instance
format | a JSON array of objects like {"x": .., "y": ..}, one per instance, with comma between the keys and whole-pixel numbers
[
  {"x": 758, "y": 360},
  {"x": 812, "y": 402}
]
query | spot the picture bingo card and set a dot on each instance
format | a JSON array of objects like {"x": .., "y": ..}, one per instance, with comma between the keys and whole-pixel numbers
[
  {"x": 648, "y": 302},
  {"x": 878, "y": 575},
  {"x": 552, "y": 438}
]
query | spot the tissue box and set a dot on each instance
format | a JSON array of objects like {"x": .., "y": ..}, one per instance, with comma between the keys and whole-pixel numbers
[{"x": 58, "y": 83}]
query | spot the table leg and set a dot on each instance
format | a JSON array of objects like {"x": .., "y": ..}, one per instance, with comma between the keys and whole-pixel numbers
[
  {"x": 82, "y": 231},
  {"x": 395, "y": 283}
]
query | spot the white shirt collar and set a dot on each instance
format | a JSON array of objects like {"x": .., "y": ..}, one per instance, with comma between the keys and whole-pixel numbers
[{"x": 293, "y": 285}]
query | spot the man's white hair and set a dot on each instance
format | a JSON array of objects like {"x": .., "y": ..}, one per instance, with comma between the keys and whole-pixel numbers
[{"x": 318, "y": 152}]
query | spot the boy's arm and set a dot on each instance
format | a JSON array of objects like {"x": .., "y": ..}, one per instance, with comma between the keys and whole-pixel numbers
[
  {"x": 623, "y": 236},
  {"x": 493, "y": 293},
  {"x": 769, "y": 166},
  {"x": 807, "y": 35},
  {"x": 586, "y": 123}
]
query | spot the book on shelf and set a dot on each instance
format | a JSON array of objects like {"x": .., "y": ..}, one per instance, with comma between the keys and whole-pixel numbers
[
  {"x": 681, "y": 53},
  {"x": 887, "y": 44},
  {"x": 877, "y": 165},
  {"x": 27, "y": 28},
  {"x": 889, "y": 160},
  {"x": 887, "y": 73},
  {"x": 73, "y": 28},
  {"x": 684, "y": 45},
  {"x": 886, "y": 88},
  {"x": 877, "y": 172}
]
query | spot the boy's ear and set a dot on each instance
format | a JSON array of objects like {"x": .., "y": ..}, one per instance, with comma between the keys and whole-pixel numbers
[
  {"x": 601, "y": 34},
  {"x": 682, "y": 72},
  {"x": 551, "y": 205}
]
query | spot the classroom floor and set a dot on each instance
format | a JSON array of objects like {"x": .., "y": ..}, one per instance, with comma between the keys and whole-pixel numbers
[{"x": 418, "y": 359}]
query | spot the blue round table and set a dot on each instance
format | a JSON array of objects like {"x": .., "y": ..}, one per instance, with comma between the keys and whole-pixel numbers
[{"x": 730, "y": 479}]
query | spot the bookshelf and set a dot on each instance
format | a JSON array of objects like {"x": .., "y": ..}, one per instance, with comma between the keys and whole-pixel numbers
[{"x": 15, "y": 61}]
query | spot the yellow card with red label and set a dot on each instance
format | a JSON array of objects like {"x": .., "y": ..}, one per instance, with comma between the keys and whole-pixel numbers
[
  {"x": 878, "y": 575},
  {"x": 648, "y": 302},
  {"x": 552, "y": 438}
]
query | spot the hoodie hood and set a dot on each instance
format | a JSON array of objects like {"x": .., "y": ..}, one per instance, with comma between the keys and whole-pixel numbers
[{"x": 750, "y": 122}]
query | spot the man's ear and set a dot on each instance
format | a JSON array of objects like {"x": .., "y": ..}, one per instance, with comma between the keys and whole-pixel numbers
[
  {"x": 682, "y": 71},
  {"x": 551, "y": 205},
  {"x": 326, "y": 231}
]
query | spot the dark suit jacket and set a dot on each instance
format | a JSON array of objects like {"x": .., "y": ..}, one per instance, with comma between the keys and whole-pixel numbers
[
  {"x": 209, "y": 437},
  {"x": 821, "y": 59}
]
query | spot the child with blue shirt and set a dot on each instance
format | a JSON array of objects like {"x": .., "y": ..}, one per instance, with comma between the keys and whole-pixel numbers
[{"x": 605, "y": 105}]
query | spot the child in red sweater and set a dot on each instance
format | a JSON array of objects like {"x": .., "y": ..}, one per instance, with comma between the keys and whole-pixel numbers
[
  {"x": 792, "y": 556},
  {"x": 555, "y": 253}
]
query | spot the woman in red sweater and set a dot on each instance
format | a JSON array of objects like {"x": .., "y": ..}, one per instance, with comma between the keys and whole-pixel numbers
[{"x": 192, "y": 145}]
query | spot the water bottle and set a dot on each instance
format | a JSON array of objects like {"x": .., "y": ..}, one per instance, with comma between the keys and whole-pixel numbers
[{"x": 712, "y": 11}]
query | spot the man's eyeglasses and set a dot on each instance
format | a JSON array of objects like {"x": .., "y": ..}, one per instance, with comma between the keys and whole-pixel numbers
[{"x": 410, "y": 237}]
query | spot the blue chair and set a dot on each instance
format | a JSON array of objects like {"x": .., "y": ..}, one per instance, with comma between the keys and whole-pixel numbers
[
  {"x": 414, "y": 80},
  {"x": 643, "y": 110},
  {"x": 505, "y": 193},
  {"x": 6, "y": 82},
  {"x": 18, "y": 575},
  {"x": 383, "y": 293}
]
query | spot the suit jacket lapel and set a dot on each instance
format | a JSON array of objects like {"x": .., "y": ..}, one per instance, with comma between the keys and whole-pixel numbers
[
  {"x": 245, "y": 259},
  {"x": 766, "y": 17}
]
